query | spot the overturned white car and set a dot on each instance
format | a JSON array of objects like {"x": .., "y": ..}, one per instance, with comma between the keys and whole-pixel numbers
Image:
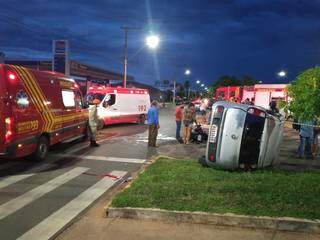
[{"x": 242, "y": 136}]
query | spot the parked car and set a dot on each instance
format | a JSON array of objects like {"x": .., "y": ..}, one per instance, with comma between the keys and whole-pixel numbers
[{"x": 242, "y": 136}]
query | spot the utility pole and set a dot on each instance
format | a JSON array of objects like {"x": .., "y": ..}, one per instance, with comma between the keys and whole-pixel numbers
[
  {"x": 174, "y": 91},
  {"x": 174, "y": 88},
  {"x": 125, "y": 60}
]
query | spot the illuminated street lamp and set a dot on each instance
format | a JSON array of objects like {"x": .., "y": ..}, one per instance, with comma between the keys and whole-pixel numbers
[
  {"x": 282, "y": 74},
  {"x": 152, "y": 41},
  {"x": 202, "y": 85},
  {"x": 198, "y": 82},
  {"x": 187, "y": 72}
]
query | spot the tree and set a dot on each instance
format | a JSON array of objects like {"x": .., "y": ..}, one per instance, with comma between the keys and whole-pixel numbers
[
  {"x": 187, "y": 87},
  {"x": 305, "y": 94},
  {"x": 248, "y": 80},
  {"x": 186, "y": 84},
  {"x": 166, "y": 82},
  {"x": 224, "y": 81}
]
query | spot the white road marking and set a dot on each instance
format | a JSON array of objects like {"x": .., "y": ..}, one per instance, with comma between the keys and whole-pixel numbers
[
  {"x": 160, "y": 137},
  {"x": 56, "y": 221},
  {"x": 15, "y": 204},
  {"x": 102, "y": 158},
  {"x": 4, "y": 182}
]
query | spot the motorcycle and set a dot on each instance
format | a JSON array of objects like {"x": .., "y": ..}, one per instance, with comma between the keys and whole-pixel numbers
[{"x": 198, "y": 135}]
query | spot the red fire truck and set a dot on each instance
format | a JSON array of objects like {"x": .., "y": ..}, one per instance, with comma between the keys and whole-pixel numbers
[
  {"x": 229, "y": 93},
  {"x": 38, "y": 109}
]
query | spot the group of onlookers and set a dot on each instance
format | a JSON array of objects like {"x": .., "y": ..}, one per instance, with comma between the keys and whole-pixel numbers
[{"x": 186, "y": 116}]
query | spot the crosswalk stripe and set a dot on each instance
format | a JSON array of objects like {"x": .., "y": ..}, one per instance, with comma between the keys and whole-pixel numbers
[
  {"x": 102, "y": 158},
  {"x": 56, "y": 221},
  {"x": 21, "y": 201},
  {"x": 115, "y": 159},
  {"x": 4, "y": 182}
]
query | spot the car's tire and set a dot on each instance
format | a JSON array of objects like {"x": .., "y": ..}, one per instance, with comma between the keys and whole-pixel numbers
[
  {"x": 42, "y": 149},
  {"x": 142, "y": 119}
]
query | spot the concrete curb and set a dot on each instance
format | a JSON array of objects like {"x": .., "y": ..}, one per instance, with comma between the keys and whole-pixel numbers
[{"x": 282, "y": 224}]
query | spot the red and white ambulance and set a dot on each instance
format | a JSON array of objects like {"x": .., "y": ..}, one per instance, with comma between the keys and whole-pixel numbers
[
  {"x": 38, "y": 109},
  {"x": 120, "y": 105}
]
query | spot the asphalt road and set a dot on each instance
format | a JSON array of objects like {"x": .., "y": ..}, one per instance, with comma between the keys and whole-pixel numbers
[{"x": 38, "y": 200}]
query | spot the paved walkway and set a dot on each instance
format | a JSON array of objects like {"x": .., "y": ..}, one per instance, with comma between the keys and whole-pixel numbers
[
  {"x": 288, "y": 152},
  {"x": 125, "y": 229}
]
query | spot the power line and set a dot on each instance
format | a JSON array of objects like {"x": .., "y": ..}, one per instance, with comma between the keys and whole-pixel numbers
[{"x": 39, "y": 34}]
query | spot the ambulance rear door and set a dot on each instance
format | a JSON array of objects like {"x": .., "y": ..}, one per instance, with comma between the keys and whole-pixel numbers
[
  {"x": 27, "y": 106},
  {"x": 81, "y": 118}
]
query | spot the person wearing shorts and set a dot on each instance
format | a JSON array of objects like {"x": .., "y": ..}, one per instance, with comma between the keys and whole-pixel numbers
[{"x": 189, "y": 115}]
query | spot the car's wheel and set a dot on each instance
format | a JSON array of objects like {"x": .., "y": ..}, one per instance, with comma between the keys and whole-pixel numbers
[
  {"x": 42, "y": 149},
  {"x": 142, "y": 119}
]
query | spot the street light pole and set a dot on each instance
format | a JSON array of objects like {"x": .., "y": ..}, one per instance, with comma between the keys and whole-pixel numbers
[
  {"x": 125, "y": 60},
  {"x": 126, "y": 29},
  {"x": 152, "y": 41},
  {"x": 187, "y": 73},
  {"x": 174, "y": 91}
]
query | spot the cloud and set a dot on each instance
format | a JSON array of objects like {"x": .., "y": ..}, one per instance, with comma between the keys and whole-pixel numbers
[{"x": 212, "y": 37}]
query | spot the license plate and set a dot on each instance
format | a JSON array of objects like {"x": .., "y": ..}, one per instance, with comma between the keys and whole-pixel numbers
[{"x": 213, "y": 134}]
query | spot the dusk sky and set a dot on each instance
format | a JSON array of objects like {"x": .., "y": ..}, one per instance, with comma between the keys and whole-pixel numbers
[{"x": 212, "y": 38}]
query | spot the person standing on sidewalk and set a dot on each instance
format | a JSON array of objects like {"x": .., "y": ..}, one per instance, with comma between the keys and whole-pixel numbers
[
  {"x": 306, "y": 138},
  {"x": 189, "y": 115},
  {"x": 179, "y": 116},
  {"x": 315, "y": 147},
  {"x": 153, "y": 122},
  {"x": 93, "y": 123}
]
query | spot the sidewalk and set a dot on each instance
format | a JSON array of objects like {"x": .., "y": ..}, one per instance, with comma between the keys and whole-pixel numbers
[
  {"x": 126, "y": 229},
  {"x": 288, "y": 152}
]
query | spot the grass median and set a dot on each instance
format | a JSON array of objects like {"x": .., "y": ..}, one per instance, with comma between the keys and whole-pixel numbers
[{"x": 187, "y": 186}]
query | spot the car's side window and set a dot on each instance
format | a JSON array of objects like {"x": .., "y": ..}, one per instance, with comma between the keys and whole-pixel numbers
[
  {"x": 68, "y": 98},
  {"x": 109, "y": 100},
  {"x": 79, "y": 101}
]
